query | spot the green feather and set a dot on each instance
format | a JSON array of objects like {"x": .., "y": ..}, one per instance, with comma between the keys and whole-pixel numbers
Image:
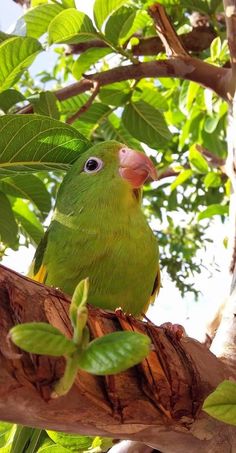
[{"x": 99, "y": 231}]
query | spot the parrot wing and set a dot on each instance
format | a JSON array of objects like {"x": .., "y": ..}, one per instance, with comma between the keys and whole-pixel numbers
[
  {"x": 155, "y": 291},
  {"x": 38, "y": 270}
]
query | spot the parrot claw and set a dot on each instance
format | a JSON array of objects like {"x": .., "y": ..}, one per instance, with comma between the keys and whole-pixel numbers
[{"x": 176, "y": 329}]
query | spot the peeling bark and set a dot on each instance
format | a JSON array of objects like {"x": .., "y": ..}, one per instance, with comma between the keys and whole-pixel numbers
[{"x": 157, "y": 402}]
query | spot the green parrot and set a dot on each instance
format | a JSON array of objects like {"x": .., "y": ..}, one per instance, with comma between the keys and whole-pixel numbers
[{"x": 98, "y": 230}]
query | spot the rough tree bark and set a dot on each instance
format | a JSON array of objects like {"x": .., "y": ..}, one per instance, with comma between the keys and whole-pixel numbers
[{"x": 157, "y": 402}]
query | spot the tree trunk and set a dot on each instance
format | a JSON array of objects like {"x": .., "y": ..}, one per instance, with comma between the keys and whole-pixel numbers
[{"x": 157, "y": 402}]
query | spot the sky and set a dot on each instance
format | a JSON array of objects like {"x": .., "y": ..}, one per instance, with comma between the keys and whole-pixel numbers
[{"x": 170, "y": 306}]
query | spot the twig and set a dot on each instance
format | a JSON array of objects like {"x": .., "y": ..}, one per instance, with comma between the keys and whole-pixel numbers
[
  {"x": 215, "y": 161},
  {"x": 167, "y": 33},
  {"x": 87, "y": 104}
]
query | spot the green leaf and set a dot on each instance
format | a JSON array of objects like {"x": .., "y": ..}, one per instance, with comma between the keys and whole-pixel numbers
[
  {"x": 48, "y": 446},
  {"x": 192, "y": 91},
  {"x": 114, "y": 353},
  {"x": 134, "y": 23},
  {"x": 38, "y": 19},
  {"x": 213, "y": 209},
  {"x": 146, "y": 124},
  {"x": 29, "y": 188},
  {"x": 196, "y": 5},
  {"x": 197, "y": 161},
  {"x": 4, "y": 36},
  {"x": 28, "y": 221},
  {"x": 30, "y": 143},
  {"x": 211, "y": 124},
  {"x": 181, "y": 178},
  {"x": 152, "y": 97},
  {"x": 215, "y": 48},
  {"x": 68, "y": 3},
  {"x": 16, "y": 54},
  {"x": 8, "y": 226},
  {"x": 212, "y": 179},
  {"x": 8, "y": 98},
  {"x": 87, "y": 59},
  {"x": 79, "y": 299},
  {"x": 37, "y": 2},
  {"x": 102, "y": 9},
  {"x": 115, "y": 94},
  {"x": 73, "y": 104},
  {"x": 71, "y": 26},
  {"x": 113, "y": 129},
  {"x": 41, "y": 338},
  {"x": 45, "y": 103},
  {"x": 115, "y": 23},
  {"x": 221, "y": 404},
  {"x": 89, "y": 120},
  {"x": 7, "y": 431},
  {"x": 74, "y": 442}
]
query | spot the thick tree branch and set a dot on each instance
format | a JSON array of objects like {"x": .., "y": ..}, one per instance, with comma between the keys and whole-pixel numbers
[
  {"x": 186, "y": 68},
  {"x": 197, "y": 40},
  {"x": 167, "y": 33},
  {"x": 155, "y": 402}
]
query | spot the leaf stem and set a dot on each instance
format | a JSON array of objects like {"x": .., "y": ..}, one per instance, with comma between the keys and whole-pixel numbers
[{"x": 67, "y": 380}]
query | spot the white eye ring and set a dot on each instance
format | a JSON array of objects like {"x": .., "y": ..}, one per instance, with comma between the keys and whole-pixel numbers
[{"x": 93, "y": 165}]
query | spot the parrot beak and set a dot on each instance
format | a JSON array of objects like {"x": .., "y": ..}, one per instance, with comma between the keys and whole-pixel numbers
[{"x": 135, "y": 167}]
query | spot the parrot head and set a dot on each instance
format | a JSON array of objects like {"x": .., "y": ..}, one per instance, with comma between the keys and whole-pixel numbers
[{"x": 106, "y": 171}]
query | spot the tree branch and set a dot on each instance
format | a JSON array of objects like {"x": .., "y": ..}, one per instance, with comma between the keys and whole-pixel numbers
[
  {"x": 186, "y": 68},
  {"x": 156, "y": 402},
  {"x": 87, "y": 104},
  {"x": 230, "y": 17},
  {"x": 197, "y": 40},
  {"x": 167, "y": 33}
]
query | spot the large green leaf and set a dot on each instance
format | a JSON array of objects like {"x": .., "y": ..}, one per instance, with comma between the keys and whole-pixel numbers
[
  {"x": 73, "y": 104},
  {"x": 31, "y": 143},
  {"x": 90, "y": 120},
  {"x": 135, "y": 22},
  {"x": 30, "y": 188},
  {"x": 8, "y": 226},
  {"x": 38, "y": 19},
  {"x": 114, "y": 353},
  {"x": 87, "y": 59},
  {"x": 102, "y": 9},
  {"x": 45, "y": 103},
  {"x": 151, "y": 96},
  {"x": 115, "y": 94},
  {"x": 8, "y": 98},
  {"x": 41, "y": 338},
  {"x": 71, "y": 26},
  {"x": 116, "y": 21},
  {"x": 221, "y": 404},
  {"x": 113, "y": 129},
  {"x": 16, "y": 54},
  {"x": 146, "y": 124},
  {"x": 28, "y": 221}
]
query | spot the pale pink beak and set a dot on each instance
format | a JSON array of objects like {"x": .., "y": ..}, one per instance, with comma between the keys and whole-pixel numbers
[{"x": 135, "y": 167}]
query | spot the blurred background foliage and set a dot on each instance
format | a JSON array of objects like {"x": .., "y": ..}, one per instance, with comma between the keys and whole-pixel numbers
[{"x": 179, "y": 123}]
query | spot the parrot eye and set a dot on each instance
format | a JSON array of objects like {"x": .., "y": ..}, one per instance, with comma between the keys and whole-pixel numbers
[{"x": 93, "y": 165}]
